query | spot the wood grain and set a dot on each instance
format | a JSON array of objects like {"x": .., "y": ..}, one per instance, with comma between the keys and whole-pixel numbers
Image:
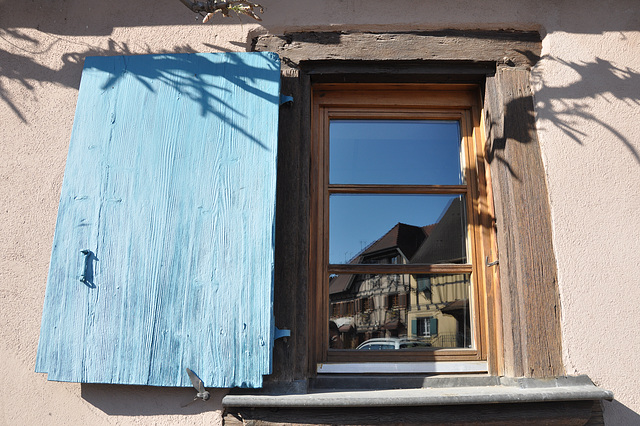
[
  {"x": 521, "y": 48},
  {"x": 292, "y": 236},
  {"x": 170, "y": 182},
  {"x": 424, "y": 101},
  {"x": 531, "y": 305},
  {"x": 522, "y": 290}
]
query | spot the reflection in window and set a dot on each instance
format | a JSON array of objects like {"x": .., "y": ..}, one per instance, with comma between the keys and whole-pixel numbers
[
  {"x": 412, "y": 311},
  {"x": 424, "y": 326},
  {"x": 392, "y": 227},
  {"x": 423, "y": 152},
  {"x": 397, "y": 229}
]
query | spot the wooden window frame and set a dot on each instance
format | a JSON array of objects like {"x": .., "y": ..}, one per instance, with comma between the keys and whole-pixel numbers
[
  {"x": 525, "y": 299},
  {"x": 460, "y": 102}
]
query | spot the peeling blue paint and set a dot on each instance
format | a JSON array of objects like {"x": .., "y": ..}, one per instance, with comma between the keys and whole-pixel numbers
[{"x": 178, "y": 210}]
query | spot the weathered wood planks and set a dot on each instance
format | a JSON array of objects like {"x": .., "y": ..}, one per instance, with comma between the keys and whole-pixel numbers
[
  {"x": 528, "y": 277},
  {"x": 474, "y": 46},
  {"x": 170, "y": 183}
]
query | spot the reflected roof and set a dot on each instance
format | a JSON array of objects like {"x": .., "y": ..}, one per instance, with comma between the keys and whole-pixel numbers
[
  {"x": 405, "y": 237},
  {"x": 446, "y": 239},
  {"x": 442, "y": 242}
]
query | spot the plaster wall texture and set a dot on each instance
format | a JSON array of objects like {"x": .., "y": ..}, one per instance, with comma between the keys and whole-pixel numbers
[{"x": 587, "y": 91}]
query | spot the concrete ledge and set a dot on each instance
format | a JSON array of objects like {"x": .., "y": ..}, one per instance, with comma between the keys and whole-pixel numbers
[{"x": 509, "y": 391}]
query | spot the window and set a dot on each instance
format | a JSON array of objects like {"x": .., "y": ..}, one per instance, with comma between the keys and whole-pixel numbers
[
  {"x": 393, "y": 301},
  {"x": 523, "y": 315},
  {"x": 397, "y": 193},
  {"x": 367, "y": 304},
  {"x": 426, "y": 326}
]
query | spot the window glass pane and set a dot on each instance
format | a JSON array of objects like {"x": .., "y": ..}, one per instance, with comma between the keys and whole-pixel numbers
[
  {"x": 399, "y": 311},
  {"x": 411, "y": 152},
  {"x": 397, "y": 229}
]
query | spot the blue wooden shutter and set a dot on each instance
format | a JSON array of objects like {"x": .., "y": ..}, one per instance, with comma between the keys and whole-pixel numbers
[
  {"x": 433, "y": 326},
  {"x": 170, "y": 187}
]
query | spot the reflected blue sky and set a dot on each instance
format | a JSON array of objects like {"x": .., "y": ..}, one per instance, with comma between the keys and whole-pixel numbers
[
  {"x": 415, "y": 152},
  {"x": 411, "y": 152},
  {"x": 356, "y": 221}
]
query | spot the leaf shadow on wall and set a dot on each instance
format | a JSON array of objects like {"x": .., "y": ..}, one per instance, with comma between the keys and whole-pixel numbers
[
  {"x": 196, "y": 78},
  {"x": 29, "y": 74},
  {"x": 128, "y": 400},
  {"x": 563, "y": 106},
  {"x": 566, "y": 107}
]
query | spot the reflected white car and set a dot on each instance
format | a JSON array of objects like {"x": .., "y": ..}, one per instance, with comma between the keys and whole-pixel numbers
[{"x": 390, "y": 343}]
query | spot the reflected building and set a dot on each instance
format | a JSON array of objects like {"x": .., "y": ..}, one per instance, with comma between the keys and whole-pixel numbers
[{"x": 432, "y": 309}]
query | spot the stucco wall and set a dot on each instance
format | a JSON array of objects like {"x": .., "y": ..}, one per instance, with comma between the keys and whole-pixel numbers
[{"x": 587, "y": 94}]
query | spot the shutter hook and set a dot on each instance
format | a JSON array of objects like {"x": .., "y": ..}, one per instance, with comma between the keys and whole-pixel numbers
[
  {"x": 284, "y": 99},
  {"x": 87, "y": 273},
  {"x": 84, "y": 278},
  {"x": 494, "y": 263}
]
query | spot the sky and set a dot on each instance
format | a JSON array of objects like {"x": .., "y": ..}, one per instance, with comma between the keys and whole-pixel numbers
[{"x": 412, "y": 152}]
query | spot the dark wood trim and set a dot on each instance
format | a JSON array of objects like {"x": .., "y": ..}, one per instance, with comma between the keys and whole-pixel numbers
[
  {"x": 520, "y": 48},
  {"x": 397, "y": 189},
  {"x": 291, "y": 264},
  {"x": 526, "y": 301},
  {"x": 399, "y": 269},
  {"x": 369, "y": 71},
  {"x": 530, "y": 299}
]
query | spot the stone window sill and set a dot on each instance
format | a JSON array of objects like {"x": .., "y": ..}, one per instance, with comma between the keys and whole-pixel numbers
[{"x": 448, "y": 390}]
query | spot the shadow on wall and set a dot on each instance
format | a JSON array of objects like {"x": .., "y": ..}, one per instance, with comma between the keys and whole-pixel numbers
[
  {"x": 616, "y": 413},
  {"x": 101, "y": 18},
  {"x": 561, "y": 106},
  {"x": 24, "y": 69},
  {"x": 126, "y": 400},
  {"x": 565, "y": 106},
  {"x": 598, "y": 79},
  {"x": 167, "y": 71}
]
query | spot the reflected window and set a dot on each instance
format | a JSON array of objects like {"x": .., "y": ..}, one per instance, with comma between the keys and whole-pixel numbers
[
  {"x": 366, "y": 307},
  {"x": 423, "y": 326}
]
